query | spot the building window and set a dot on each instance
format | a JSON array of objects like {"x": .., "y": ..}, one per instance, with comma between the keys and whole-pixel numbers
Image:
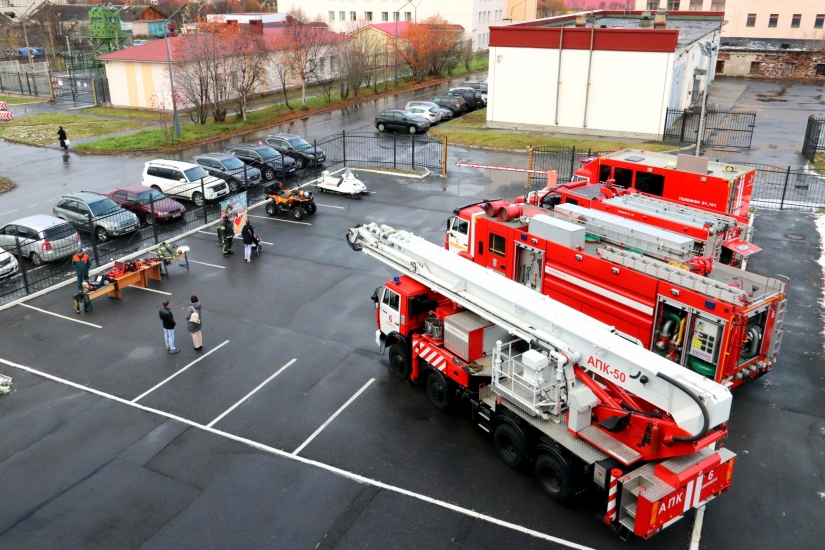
[
  {"x": 332, "y": 16},
  {"x": 751, "y": 20},
  {"x": 720, "y": 67},
  {"x": 352, "y": 16},
  {"x": 695, "y": 5},
  {"x": 395, "y": 16},
  {"x": 755, "y": 66},
  {"x": 497, "y": 244},
  {"x": 368, "y": 15},
  {"x": 795, "y": 20},
  {"x": 385, "y": 16},
  {"x": 717, "y": 5},
  {"x": 820, "y": 69},
  {"x": 773, "y": 20},
  {"x": 653, "y": 5},
  {"x": 407, "y": 16},
  {"x": 820, "y": 19},
  {"x": 788, "y": 69},
  {"x": 673, "y": 5},
  {"x": 480, "y": 17},
  {"x": 342, "y": 15}
]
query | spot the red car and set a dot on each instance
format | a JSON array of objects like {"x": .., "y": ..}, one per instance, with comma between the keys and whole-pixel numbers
[{"x": 142, "y": 200}]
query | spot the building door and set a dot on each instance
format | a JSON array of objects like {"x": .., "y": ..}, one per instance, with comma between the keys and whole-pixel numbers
[{"x": 720, "y": 67}]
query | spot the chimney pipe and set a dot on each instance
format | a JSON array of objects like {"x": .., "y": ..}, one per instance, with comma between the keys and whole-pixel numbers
[
  {"x": 581, "y": 20},
  {"x": 661, "y": 19}
]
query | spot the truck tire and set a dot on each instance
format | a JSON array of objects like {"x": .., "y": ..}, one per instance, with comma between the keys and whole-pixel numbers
[
  {"x": 438, "y": 390},
  {"x": 399, "y": 362},
  {"x": 510, "y": 444},
  {"x": 553, "y": 476}
]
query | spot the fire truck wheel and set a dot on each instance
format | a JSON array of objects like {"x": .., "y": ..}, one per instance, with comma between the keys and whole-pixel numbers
[
  {"x": 438, "y": 390},
  {"x": 399, "y": 364},
  {"x": 510, "y": 444},
  {"x": 553, "y": 476}
]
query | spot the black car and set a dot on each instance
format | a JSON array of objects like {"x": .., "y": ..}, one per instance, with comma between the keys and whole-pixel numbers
[
  {"x": 263, "y": 157},
  {"x": 296, "y": 148},
  {"x": 230, "y": 169},
  {"x": 396, "y": 119},
  {"x": 472, "y": 97},
  {"x": 457, "y": 104}
]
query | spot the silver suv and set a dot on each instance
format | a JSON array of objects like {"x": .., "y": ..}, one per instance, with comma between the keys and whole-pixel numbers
[
  {"x": 41, "y": 238},
  {"x": 106, "y": 217}
]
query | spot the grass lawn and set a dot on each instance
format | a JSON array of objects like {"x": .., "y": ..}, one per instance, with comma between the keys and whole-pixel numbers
[
  {"x": 819, "y": 163},
  {"x": 476, "y": 119},
  {"x": 21, "y": 100},
  {"x": 6, "y": 185},
  {"x": 506, "y": 140},
  {"x": 42, "y": 129},
  {"x": 119, "y": 112}
]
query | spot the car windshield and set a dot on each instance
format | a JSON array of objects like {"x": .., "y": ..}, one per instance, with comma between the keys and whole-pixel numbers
[
  {"x": 299, "y": 143},
  {"x": 103, "y": 206},
  {"x": 267, "y": 152},
  {"x": 59, "y": 232},
  {"x": 232, "y": 163},
  {"x": 196, "y": 173},
  {"x": 151, "y": 195}
]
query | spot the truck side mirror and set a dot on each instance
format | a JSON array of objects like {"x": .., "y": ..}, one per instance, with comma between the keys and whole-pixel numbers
[{"x": 375, "y": 296}]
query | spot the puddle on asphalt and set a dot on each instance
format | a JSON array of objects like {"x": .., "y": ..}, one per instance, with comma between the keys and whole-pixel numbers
[{"x": 470, "y": 182}]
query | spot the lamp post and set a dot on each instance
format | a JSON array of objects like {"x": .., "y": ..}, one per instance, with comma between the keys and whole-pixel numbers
[
  {"x": 396, "y": 39},
  {"x": 169, "y": 67}
]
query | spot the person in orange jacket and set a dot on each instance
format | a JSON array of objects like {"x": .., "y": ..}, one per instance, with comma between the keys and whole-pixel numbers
[{"x": 81, "y": 264}]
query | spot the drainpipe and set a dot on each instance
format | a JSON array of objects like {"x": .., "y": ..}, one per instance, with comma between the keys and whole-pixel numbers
[
  {"x": 589, "y": 66},
  {"x": 558, "y": 76}
]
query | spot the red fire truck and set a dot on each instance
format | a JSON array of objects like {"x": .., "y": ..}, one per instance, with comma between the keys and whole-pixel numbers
[
  {"x": 722, "y": 322},
  {"x": 684, "y": 179},
  {"x": 556, "y": 389}
]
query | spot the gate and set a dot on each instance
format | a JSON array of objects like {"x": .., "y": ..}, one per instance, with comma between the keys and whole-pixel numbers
[
  {"x": 723, "y": 127},
  {"x": 564, "y": 160},
  {"x": 383, "y": 151},
  {"x": 80, "y": 89},
  {"x": 814, "y": 138}
]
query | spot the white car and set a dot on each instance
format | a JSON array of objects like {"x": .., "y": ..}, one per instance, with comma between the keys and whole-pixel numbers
[
  {"x": 430, "y": 113},
  {"x": 8, "y": 265},
  {"x": 183, "y": 179}
]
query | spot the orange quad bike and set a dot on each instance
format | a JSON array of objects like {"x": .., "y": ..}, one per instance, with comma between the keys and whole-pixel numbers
[{"x": 296, "y": 202}]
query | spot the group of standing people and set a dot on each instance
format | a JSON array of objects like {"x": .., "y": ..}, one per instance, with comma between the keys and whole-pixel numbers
[
  {"x": 226, "y": 234},
  {"x": 194, "y": 324}
]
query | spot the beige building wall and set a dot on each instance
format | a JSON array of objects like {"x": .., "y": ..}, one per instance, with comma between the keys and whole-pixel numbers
[
  {"x": 737, "y": 14},
  {"x": 521, "y": 10},
  {"x": 137, "y": 84}
]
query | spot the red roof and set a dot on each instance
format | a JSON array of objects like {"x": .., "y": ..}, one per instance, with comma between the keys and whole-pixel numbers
[{"x": 155, "y": 51}]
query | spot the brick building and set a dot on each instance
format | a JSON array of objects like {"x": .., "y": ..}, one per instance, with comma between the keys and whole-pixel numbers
[{"x": 771, "y": 58}]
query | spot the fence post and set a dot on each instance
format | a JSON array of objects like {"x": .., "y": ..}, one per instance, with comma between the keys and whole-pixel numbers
[
  {"x": 203, "y": 208},
  {"x": 94, "y": 238},
  {"x": 22, "y": 263},
  {"x": 344, "y": 145},
  {"x": 412, "y": 144},
  {"x": 51, "y": 86},
  {"x": 394, "y": 151},
  {"x": 317, "y": 164},
  {"x": 20, "y": 81},
  {"x": 684, "y": 123},
  {"x": 29, "y": 84},
  {"x": 785, "y": 187},
  {"x": 444, "y": 158},
  {"x": 529, "y": 164},
  {"x": 572, "y": 164},
  {"x": 94, "y": 92},
  {"x": 154, "y": 218}
]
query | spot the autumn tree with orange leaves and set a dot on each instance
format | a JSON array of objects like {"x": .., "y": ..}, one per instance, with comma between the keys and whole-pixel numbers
[{"x": 429, "y": 47}]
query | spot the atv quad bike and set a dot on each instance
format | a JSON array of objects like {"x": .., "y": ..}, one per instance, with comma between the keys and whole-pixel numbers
[{"x": 298, "y": 203}]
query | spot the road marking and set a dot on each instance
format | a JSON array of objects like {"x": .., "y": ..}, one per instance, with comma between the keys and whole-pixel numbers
[
  {"x": 278, "y": 220},
  {"x": 50, "y": 200},
  {"x": 210, "y": 265},
  {"x": 270, "y": 244},
  {"x": 147, "y": 392},
  {"x": 207, "y": 232},
  {"x": 338, "y": 471},
  {"x": 247, "y": 396},
  {"x": 331, "y": 418},
  {"x": 61, "y": 316},
  {"x": 329, "y": 206},
  {"x": 31, "y": 206},
  {"x": 9, "y": 212},
  {"x": 149, "y": 289},
  {"x": 696, "y": 536}
]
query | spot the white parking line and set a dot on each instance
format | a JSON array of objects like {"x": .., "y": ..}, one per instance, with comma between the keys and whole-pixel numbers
[
  {"x": 61, "y": 316},
  {"x": 329, "y": 206},
  {"x": 250, "y": 394},
  {"x": 338, "y": 471},
  {"x": 331, "y": 418},
  {"x": 144, "y": 394},
  {"x": 278, "y": 220},
  {"x": 31, "y": 206},
  {"x": 210, "y": 265},
  {"x": 9, "y": 212},
  {"x": 50, "y": 200},
  {"x": 150, "y": 289}
]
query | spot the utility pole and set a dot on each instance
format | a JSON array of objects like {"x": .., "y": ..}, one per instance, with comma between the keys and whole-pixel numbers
[
  {"x": 707, "y": 50},
  {"x": 169, "y": 68},
  {"x": 28, "y": 49},
  {"x": 397, "y": 15}
]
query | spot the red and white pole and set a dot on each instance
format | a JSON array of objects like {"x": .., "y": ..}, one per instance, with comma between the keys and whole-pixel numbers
[{"x": 612, "y": 496}]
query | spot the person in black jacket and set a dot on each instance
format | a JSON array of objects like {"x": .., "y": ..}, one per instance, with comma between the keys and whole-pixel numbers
[
  {"x": 168, "y": 327},
  {"x": 249, "y": 240},
  {"x": 61, "y": 135},
  {"x": 228, "y": 231}
]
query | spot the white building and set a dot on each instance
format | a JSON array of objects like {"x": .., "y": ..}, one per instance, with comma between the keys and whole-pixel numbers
[
  {"x": 792, "y": 19},
  {"x": 476, "y": 16},
  {"x": 623, "y": 86}
]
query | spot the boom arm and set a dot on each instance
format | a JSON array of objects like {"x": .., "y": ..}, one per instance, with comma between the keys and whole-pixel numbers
[{"x": 576, "y": 338}]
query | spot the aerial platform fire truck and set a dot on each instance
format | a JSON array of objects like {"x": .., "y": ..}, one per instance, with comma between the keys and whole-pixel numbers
[
  {"x": 556, "y": 389},
  {"x": 722, "y": 322},
  {"x": 685, "y": 179}
]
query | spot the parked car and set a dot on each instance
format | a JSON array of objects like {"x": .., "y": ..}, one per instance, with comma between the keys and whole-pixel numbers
[
  {"x": 296, "y": 148},
  {"x": 42, "y": 238},
  {"x": 230, "y": 169},
  {"x": 8, "y": 265},
  {"x": 473, "y": 98},
  {"x": 149, "y": 205},
  {"x": 457, "y": 104},
  {"x": 96, "y": 213},
  {"x": 446, "y": 114},
  {"x": 183, "y": 180},
  {"x": 431, "y": 114},
  {"x": 263, "y": 157},
  {"x": 396, "y": 119},
  {"x": 477, "y": 85}
]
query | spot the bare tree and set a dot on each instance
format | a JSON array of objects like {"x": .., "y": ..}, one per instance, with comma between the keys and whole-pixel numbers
[
  {"x": 247, "y": 65},
  {"x": 354, "y": 68},
  {"x": 302, "y": 42},
  {"x": 159, "y": 103},
  {"x": 192, "y": 75},
  {"x": 466, "y": 53},
  {"x": 549, "y": 8},
  {"x": 280, "y": 61}
]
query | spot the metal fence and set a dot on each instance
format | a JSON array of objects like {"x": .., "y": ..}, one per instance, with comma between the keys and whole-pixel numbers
[
  {"x": 723, "y": 127},
  {"x": 25, "y": 83},
  {"x": 127, "y": 222},
  {"x": 778, "y": 188},
  {"x": 80, "y": 89},
  {"x": 565, "y": 160},
  {"x": 814, "y": 142}
]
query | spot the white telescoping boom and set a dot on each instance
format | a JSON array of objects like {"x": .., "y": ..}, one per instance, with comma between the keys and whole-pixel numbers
[{"x": 694, "y": 402}]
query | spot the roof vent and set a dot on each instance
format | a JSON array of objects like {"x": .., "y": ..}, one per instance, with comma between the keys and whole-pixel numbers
[
  {"x": 661, "y": 19},
  {"x": 645, "y": 19},
  {"x": 785, "y": 46},
  {"x": 581, "y": 21}
]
